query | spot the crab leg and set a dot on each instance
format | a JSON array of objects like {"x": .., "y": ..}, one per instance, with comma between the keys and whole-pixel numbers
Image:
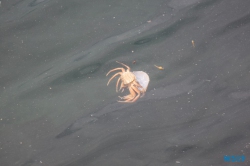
[
  {"x": 133, "y": 96},
  {"x": 142, "y": 90},
  {"x": 122, "y": 87},
  {"x": 117, "y": 83},
  {"x": 138, "y": 86},
  {"x": 113, "y": 77},
  {"x": 129, "y": 97},
  {"x": 124, "y": 65},
  {"x": 138, "y": 93},
  {"x": 115, "y": 70}
]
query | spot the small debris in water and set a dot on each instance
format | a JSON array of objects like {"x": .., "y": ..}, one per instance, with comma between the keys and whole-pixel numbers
[{"x": 159, "y": 67}]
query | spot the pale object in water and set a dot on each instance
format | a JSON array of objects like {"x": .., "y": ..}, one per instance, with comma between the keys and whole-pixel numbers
[
  {"x": 136, "y": 82},
  {"x": 142, "y": 78}
]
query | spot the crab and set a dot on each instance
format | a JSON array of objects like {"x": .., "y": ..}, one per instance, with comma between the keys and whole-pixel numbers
[{"x": 128, "y": 80}]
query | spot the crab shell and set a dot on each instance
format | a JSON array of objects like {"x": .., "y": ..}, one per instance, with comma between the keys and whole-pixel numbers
[
  {"x": 127, "y": 78},
  {"x": 142, "y": 78}
]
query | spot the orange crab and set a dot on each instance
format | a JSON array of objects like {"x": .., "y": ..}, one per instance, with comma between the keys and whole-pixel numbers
[{"x": 128, "y": 79}]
